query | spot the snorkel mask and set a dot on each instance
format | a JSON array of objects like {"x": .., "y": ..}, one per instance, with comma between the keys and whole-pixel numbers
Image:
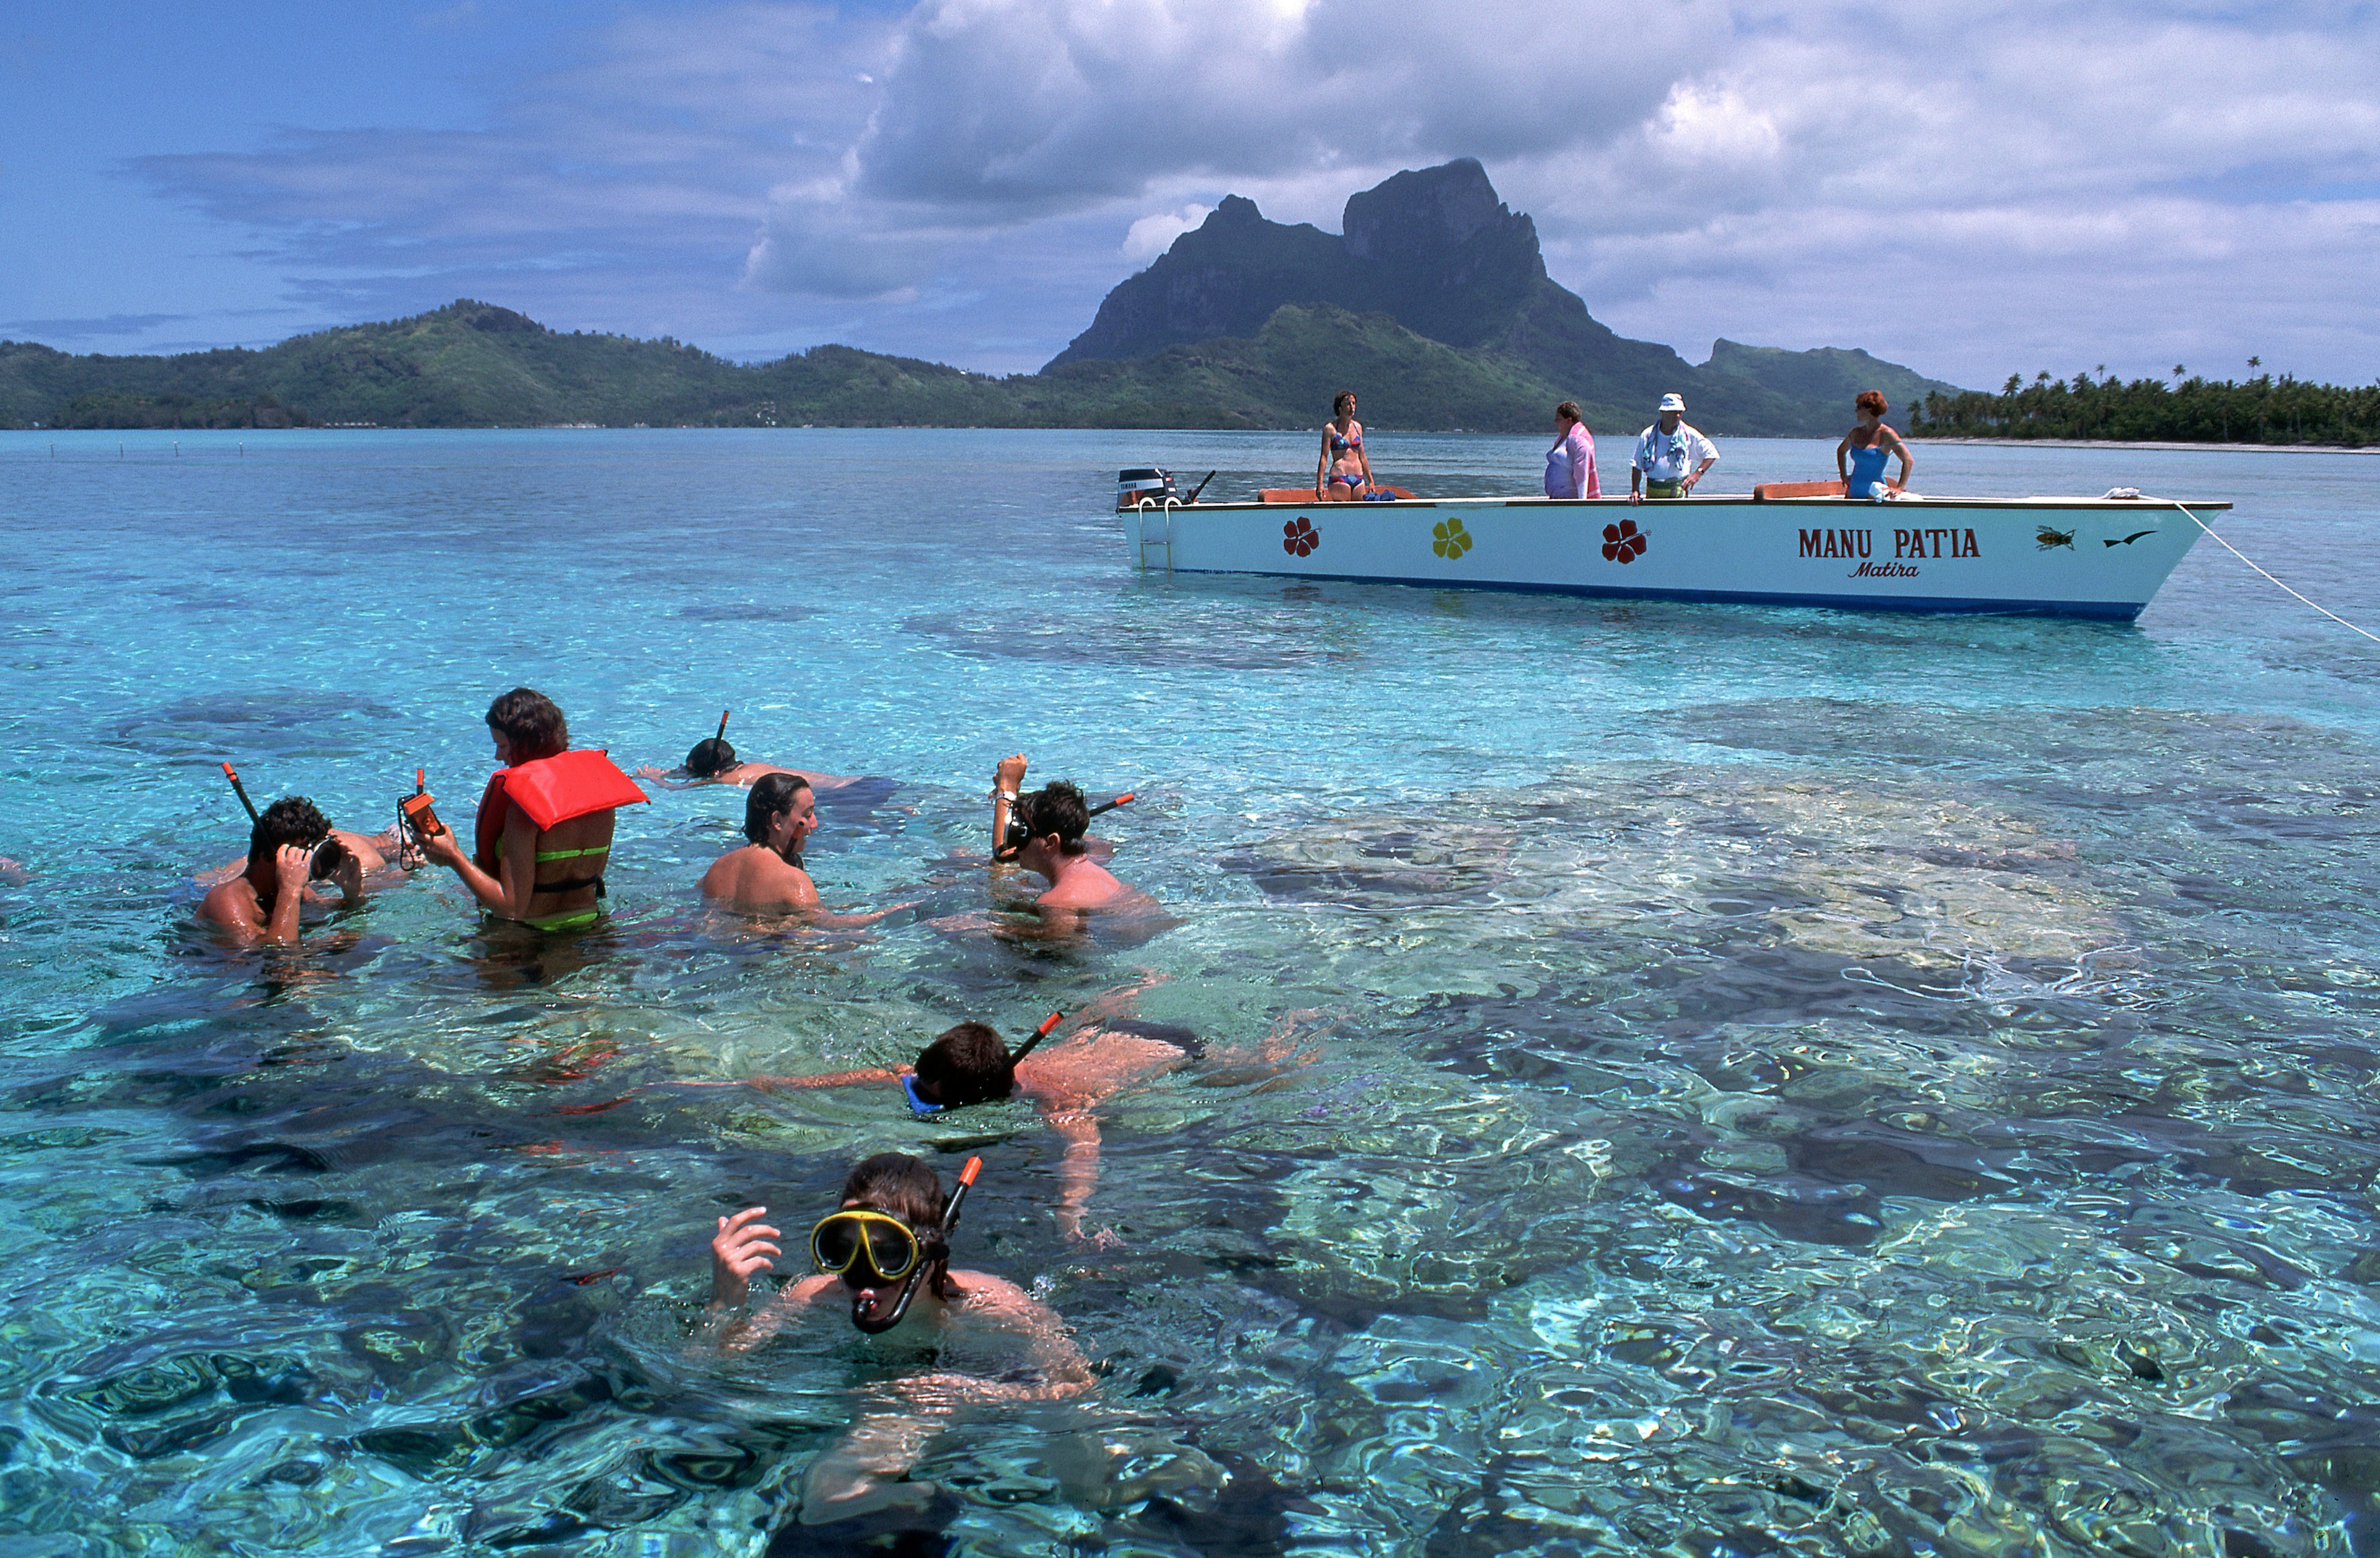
[
  {"x": 923, "y": 1109},
  {"x": 329, "y": 854},
  {"x": 1020, "y": 832},
  {"x": 857, "y": 1238}
]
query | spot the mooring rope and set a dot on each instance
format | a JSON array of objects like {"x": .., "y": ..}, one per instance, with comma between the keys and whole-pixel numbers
[{"x": 2252, "y": 562}]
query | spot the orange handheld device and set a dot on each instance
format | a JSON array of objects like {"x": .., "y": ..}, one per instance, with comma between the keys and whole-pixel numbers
[{"x": 415, "y": 808}]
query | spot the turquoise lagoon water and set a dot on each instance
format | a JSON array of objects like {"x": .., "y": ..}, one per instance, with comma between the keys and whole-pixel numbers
[{"x": 1770, "y": 1081}]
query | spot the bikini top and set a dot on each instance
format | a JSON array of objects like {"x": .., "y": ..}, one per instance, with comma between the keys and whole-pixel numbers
[{"x": 1341, "y": 444}]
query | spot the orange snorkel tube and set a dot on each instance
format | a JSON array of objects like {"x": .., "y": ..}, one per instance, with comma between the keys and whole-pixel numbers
[
  {"x": 241, "y": 791},
  {"x": 867, "y": 1312}
]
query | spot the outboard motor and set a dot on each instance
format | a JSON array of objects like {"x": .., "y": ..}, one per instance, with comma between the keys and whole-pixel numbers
[{"x": 1145, "y": 482}]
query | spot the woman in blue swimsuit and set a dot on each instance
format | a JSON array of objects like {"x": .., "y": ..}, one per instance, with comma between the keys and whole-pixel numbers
[
  {"x": 1343, "y": 471},
  {"x": 1860, "y": 457}
]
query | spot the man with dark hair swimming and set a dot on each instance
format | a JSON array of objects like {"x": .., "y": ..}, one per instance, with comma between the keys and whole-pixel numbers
[
  {"x": 290, "y": 844},
  {"x": 712, "y": 761},
  {"x": 1107, "y": 1051},
  {"x": 1054, "y": 818}
]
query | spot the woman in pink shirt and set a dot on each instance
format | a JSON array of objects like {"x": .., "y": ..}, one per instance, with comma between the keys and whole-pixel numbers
[{"x": 1570, "y": 464}]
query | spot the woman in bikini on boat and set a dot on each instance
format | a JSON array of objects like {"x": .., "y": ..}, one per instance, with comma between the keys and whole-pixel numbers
[{"x": 1343, "y": 471}]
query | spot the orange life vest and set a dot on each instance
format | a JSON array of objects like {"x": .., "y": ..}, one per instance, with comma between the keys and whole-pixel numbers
[{"x": 551, "y": 790}]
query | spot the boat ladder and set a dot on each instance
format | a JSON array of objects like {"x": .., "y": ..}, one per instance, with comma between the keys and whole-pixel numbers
[{"x": 1163, "y": 541}]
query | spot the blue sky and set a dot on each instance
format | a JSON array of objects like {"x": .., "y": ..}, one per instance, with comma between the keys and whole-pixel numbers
[{"x": 1972, "y": 189}]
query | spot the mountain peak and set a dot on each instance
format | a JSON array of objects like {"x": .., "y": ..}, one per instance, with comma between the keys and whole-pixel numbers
[
  {"x": 1234, "y": 211},
  {"x": 1422, "y": 210},
  {"x": 1433, "y": 247}
]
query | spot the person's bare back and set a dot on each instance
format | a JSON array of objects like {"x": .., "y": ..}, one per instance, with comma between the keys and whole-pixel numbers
[{"x": 758, "y": 880}]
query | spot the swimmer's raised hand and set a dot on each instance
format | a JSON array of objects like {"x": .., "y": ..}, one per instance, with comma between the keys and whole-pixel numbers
[
  {"x": 1011, "y": 772},
  {"x": 292, "y": 864},
  {"x": 740, "y": 1248}
]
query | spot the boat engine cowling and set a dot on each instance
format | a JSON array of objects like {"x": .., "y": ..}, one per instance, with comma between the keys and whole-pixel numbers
[{"x": 1145, "y": 481}]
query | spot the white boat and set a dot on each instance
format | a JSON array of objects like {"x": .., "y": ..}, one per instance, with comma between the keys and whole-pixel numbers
[{"x": 2093, "y": 557}]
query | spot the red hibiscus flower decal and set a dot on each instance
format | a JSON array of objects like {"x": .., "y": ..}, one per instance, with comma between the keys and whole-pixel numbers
[
  {"x": 1300, "y": 537},
  {"x": 1622, "y": 543}
]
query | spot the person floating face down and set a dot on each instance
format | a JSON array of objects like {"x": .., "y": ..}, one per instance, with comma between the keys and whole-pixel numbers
[
  {"x": 887, "y": 1234},
  {"x": 291, "y": 845},
  {"x": 1055, "y": 817},
  {"x": 543, "y": 866},
  {"x": 713, "y": 762},
  {"x": 1866, "y": 447},
  {"x": 1671, "y": 458},
  {"x": 969, "y": 1064}
]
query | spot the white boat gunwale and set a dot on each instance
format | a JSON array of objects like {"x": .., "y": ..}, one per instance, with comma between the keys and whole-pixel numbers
[
  {"x": 2021, "y": 556},
  {"x": 1713, "y": 500}
]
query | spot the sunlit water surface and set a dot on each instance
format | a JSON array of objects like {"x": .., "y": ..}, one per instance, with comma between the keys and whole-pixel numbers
[{"x": 1770, "y": 1079}]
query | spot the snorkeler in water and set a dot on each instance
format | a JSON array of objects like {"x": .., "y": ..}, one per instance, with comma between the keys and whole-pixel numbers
[
  {"x": 712, "y": 761},
  {"x": 766, "y": 876},
  {"x": 290, "y": 846},
  {"x": 1055, "y": 818},
  {"x": 1109, "y": 1051},
  {"x": 969, "y": 1064},
  {"x": 886, "y": 1249}
]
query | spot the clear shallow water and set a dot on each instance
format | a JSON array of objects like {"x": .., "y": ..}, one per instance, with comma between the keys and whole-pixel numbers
[{"x": 1778, "y": 1079}]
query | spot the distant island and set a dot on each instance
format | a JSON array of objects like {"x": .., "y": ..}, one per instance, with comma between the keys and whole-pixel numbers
[
  {"x": 2263, "y": 410},
  {"x": 1433, "y": 303}
]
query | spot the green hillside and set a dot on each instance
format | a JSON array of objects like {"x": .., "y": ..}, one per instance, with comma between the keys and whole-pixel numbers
[{"x": 472, "y": 364}]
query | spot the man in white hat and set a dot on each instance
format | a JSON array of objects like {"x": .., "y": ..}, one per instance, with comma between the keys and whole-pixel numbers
[{"x": 1670, "y": 456}]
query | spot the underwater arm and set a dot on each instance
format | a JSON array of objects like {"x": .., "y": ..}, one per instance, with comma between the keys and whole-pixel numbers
[
  {"x": 1078, "y": 1171},
  {"x": 830, "y": 1079}
]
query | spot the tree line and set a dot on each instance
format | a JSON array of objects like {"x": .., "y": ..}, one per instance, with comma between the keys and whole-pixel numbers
[{"x": 2191, "y": 409}]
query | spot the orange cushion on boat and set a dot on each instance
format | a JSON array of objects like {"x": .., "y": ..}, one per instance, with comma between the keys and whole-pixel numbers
[
  {"x": 1305, "y": 495},
  {"x": 569, "y": 785},
  {"x": 1768, "y": 490}
]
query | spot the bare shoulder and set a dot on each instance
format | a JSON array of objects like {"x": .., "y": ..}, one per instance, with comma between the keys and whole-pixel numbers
[
  {"x": 231, "y": 903},
  {"x": 981, "y": 1290}
]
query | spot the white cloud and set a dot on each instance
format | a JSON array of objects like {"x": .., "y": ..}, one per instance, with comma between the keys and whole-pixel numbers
[
  {"x": 1153, "y": 235},
  {"x": 1960, "y": 186}
]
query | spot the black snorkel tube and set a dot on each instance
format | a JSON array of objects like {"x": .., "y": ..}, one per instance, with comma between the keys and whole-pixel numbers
[
  {"x": 241, "y": 791},
  {"x": 720, "y": 734},
  {"x": 1020, "y": 833},
  {"x": 868, "y": 1311}
]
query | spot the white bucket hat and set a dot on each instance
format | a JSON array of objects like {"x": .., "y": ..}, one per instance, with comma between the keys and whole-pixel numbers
[{"x": 1672, "y": 403}]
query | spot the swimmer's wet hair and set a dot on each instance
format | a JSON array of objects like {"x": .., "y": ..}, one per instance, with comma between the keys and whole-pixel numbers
[
  {"x": 1056, "y": 807},
  {"x": 901, "y": 1184},
  {"x": 291, "y": 820},
  {"x": 529, "y": 719},
  {"x": 967, "y": 1064},
  {"x": 711, "y": 755},
  {"x": 772, "y": 794}
]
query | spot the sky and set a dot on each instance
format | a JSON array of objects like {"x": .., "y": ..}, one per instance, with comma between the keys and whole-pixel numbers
[{"x": 1974, "y": 189}]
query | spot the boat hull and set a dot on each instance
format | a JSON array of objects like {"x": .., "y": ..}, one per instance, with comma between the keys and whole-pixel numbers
[{"x": 2088, "y": 557}]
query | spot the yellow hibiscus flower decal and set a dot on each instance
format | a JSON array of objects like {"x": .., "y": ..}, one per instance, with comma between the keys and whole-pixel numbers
[{"x": 1449, "y": 539}]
